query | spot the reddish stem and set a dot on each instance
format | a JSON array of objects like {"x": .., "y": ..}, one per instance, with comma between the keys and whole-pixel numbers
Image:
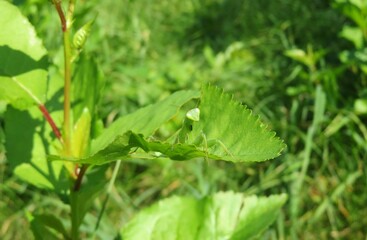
[
  {"x": 50, "y": 121},
  {"x": 79, "y": 179},
  {"x": 57, "y": 4}
]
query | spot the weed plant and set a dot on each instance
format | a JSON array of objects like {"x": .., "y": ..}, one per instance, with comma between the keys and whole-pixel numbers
[{"x": 283, "y": 59}]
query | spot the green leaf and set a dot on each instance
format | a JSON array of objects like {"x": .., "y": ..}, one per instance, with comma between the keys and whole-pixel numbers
[
  {"x": 124, "y": 147},
  {"x": 23, "y": 61},
  {"x": 229, "y": 130},
  {"x": 299, "y": 55},
  {"x": 223, "y": 130},
  {"x": 257, "y": 214},
  {"x": 29, "y": 139},
  {"x": 26, "y": 153},
  {"x": 145, "y": 120},
  {"x": 41, "y": 225},
  {"x": 226, "y": 215},
  {"x": 82, "y": 200},
  {"x": 320, "y": 105},
  {"x": 80, "y": 37},
  {"x": 354, "y": 9},
  {"x": 88, "y": 83},
  {"x": 81, "y": 134},
  {"x": 360, "y": 106},
  {"x": 353, "y": 34}
]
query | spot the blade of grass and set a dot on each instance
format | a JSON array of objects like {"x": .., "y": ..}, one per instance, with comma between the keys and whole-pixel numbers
[
  {"x": 109, "y": 190},
  {"x": 319, "y": 109}
]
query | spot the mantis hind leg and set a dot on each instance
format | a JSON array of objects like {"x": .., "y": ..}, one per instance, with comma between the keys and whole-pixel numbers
[{"x": 209, "y": 144}]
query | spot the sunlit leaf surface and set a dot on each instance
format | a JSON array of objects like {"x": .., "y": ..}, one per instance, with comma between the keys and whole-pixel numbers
[{"x": 226, "y": 215}]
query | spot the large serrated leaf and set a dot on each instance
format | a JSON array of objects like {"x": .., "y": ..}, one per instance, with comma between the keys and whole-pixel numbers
[
  {"x": 23, "y": 61},
  {"x": 229, "y": 130},
  {"x": 226, "y": 215},
  {"x": 224, "y": 130}
]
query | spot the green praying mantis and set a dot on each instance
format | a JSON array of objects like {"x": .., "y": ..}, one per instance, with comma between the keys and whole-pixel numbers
[{"x": 201, "y": 141}]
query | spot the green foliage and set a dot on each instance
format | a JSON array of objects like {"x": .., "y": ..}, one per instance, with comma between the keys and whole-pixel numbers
[
  {"x": 145, "y": 120},
  {"x": 244, "y": 139},
  {"x": 228, "y": 129},
  {"x": 23, "y": 65},
  {"x": 226, "y": 215},
  {"x": 80, "y": 37},
  {"x": 76, "y": 178},
  {"x": 81, "y": 135},
  {"x": 82, "y": 200},
  {"x": 26, "y": 133},
  {"x": 42, "y": 224},
  {"x": 87, "y": 87},
  {"x": 149, "y": 50}
]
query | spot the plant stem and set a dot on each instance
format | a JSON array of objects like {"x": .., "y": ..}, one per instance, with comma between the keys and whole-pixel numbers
[
  {"x": 79, "y": 179},
  {"x": 67, "y": 127},
  {"x": 75, "y": 218},
  {"x": 59, "y": 10},
  {"x": 74, "y": 204},
  {"x": 65, "y": 26},
  {"x": 67, "y": 90}
]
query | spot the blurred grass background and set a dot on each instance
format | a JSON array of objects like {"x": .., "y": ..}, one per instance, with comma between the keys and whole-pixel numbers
[{"x": 300, "y": 65}]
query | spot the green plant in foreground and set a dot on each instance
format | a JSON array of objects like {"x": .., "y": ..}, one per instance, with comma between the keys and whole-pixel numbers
[{"x": 39, "y": 100}]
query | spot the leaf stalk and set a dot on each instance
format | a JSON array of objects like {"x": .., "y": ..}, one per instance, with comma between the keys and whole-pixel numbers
[{"x": 51, "y": 122}]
